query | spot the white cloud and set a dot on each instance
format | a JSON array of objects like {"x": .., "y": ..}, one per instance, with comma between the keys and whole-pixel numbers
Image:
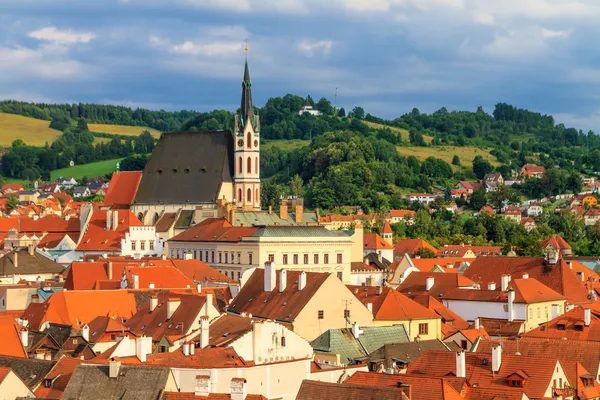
[
  {"x": 208, "y": 49},
  {"x": 309, "y": 47},
  {"x": 46, "y": 62},
  {"x": 55, "y": 35},
  {"x": 524, "y": 43}
]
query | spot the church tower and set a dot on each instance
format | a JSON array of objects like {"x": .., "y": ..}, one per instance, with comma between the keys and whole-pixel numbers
[{"x": 247, "y": 149}]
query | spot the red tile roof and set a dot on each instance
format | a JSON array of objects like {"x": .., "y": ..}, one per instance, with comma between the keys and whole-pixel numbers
[
  {"x": 460, "y": 250},
  {"x": 122, "y": 189},
  {"x": 560, "y": 277},
  {"x": 374, "y": 241},
  {"x": 449, "y": 317},
  {"x": 284, "y": 306},
  {"x": 411, "y": 246},
  {"x": 211, "y": 396},
  {"x": 210, "y": 357},
  {"x": 527, "y": 291},
  {"x": 473, "y": 334},
  {"x": 390, "y": 305},
  {"x": 60, "y": 374},
  {"x": 214, "y": 230},
  {"x": 422, "y": 387},
  {"x": 539, "y": 371},
  {"x": 532, "y": 169},
  {"x": 200, "y": 271},
  {"x": 12, "y": 186},
  {"x": 80, "y": 307},
  {"x": 98, "y": 238},
  {"x": 316, "y": 390},
  {"x": 402, "y": 213},
  {"x": 449, "y": 264},
  {"x": 556, "y": 242},
  {"x": 571, "y": 325},
  {"x": 487, "y": 209},
  {"x": 443, "y": 282},
  {"x": 10, "y": 344}
]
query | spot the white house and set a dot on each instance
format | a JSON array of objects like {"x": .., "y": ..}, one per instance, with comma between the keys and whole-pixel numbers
[
  {"x": 67, "y": 183},
  {"x": 424, "y": 198},
  {"x": 534, "y": 210},
  {"x": 308, "y": 108},
  {"x": 141, "y": 241}
]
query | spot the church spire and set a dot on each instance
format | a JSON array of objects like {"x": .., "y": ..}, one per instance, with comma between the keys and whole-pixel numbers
[{"x": 246, "y": 109}]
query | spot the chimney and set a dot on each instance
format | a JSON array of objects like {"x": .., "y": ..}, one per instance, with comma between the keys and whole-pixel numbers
[
  {"x": 172, "y": 304},
  {"x": 143, "y": 347},
  {"x": 115, "y": 220},
  {"x": 282, "y": 280},
  {"x": 581, "y": 276},
  {"x": 109, "y": 220},
  {"x": 477, "y": 323},
  {"x": 186, "y": 349},
  {"x": 570, "y": 264},
  {"x": 429, "y": 283},
  {"x": 406, "y": 389},
  {"x": 511, "y": 309},
  {"x": 114, "y": 365},
  {"x": 25, "y": 337},
  {"x": 283, "y": 209},
  {"x": 151, "y": 285},
  {"x": 135, "y": 278},
  {"x": 587, "y": 316},
  {"x": 85, "y": 332},
  {"x": 496, "y": 358},
  {"x": 199, "y": 287},
  {"x": 525, "y": 275},
  {"x": 461, "y": 367},
  {"x": 16, "y": 258},
  {"x": 379, "y": 290},
  {"x": 270, "y": 278},
  {"x": 187, "y": 256},
  {"x": 204, "y": 332},
  {"x": 109, "y": 273},
  {"x": 270, "y": 210},
  {"x": 356, "y": 331},
  {"x": 504, "y": 279},
  {"x": 30, "y": 249},
  {"x": 191, "y": 348},
  {"x": 238, "y": 389},
  {"x": 207, "y": 303},
  {"x": 492, "y": 286},
  {"x": 370, "y": 307},
  {"x": 299, "y": 211},
  {"x": 153, "y": 302},
  {"x": 202, "y": 386},
  {"x": 555, "y": 310},
  {"x": 302, "y": 281}
]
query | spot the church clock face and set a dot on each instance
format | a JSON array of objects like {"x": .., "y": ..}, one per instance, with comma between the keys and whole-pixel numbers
[
  {"x": 241, "y": 143},
  {"x": 256, "y": 143}
]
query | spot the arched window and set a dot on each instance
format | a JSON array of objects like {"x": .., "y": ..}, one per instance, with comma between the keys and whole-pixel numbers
[
  {"x": 155, "y": 219},
  {"x": 240, "y": 165},
  {"x": 249, "y": 198},
  {"x": 249, "y": 165},
  {"x": 239, "y": 195},
  {"x": 249, "y": 141},
  {"x": 141, "y": 217},
  {"x": 256, "y": 168}
]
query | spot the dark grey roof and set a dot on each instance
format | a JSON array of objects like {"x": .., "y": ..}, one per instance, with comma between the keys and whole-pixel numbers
[
  {"x": 299, "y": 231},
  {"x": 406, "y": 352},
  {"x": 246, "y": 108},
  {"x": 258, "y": 218},
  {"x": 187, "y": 167},
  {"x": 60, "y": 333},
  {"x": 132, "y": 382},
  {"x": 31, "y": 371},
  {"x": 28, "y": 264}
]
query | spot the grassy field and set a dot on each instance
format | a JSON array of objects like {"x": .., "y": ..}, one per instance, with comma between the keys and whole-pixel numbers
[
  {"x": 122, "y": 129},
  {"x": 286, "y": 144},
  {"x": 34, "y": 132},
  {"x": 99, "y": 168},
  {"x": 446, "y": 153},
  {"x": 403, "y": 132}
]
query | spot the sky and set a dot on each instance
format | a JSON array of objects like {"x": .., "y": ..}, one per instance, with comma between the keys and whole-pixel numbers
[{"x": 387, "y": 56}]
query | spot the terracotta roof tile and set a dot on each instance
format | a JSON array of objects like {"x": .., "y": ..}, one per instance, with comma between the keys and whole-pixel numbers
[
  {"x": 386, "y": 228},
  {"x": 390, "y": 305},
  {"x": 411, "y": 246},
  {"x": 10, "y": 344},
  {"x": 443, "y": 282},
  {"x": 556, "y": 242},
  {"x": 448, "y": 316},
  {"x": 571, "y": 325},
  {"x": 402, "y": 213},
  {"x": 460, "y": 250},
  {"x": 446, "y": 263},
  {"x": 200, "y": 271},
  {"x": 211, "y": 396},
  {"x": 214, "y": 230},
  {"x": 60, "y": 374},
  {"x": 210, "y": 357},
  {"x": 374, "y": 241},
  {"x": 98, "y": 238},
  {"x": 315, "y": 390},
  {"x": 422, "y": 387},
  {"x": 122, "y": 189}
]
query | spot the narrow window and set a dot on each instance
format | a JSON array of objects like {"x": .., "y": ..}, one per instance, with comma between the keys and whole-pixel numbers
[
  {"x": 249, "y": 199},
  {"x": 339, "y": 258},
  {"x": 325, "y": 258},
  {"x": 240, "y": 167},
  {"x": 249, "y": 166},
  {"x": 316, "y": 258},
  {"x": 321, "y": 314}
]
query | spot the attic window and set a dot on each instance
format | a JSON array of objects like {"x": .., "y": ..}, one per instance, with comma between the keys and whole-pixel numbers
[
  {"x": 187, "y": 170},
  {"x": 226, "y": 334},
  {"x": 203, "y": 169},
  {"x": 177, "y": 326},
  {"x": 143, "y": 327},
  {"x": 170, "y": 325},
  {"x": 515, "y": 383},
  {"x": 160, "y": 324},
  {"x": 159, "y": 171}
]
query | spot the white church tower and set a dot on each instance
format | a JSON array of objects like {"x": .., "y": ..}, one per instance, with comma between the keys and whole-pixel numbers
[{"x": 247, "y": 150}]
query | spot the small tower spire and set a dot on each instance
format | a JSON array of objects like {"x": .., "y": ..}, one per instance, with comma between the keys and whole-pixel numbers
[{"x": 246, "y": 108}]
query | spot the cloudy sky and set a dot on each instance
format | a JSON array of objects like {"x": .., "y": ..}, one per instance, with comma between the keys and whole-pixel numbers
[{"x": 386, "y": 55}]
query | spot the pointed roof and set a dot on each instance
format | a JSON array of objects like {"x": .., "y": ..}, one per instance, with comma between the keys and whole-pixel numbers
[
  {"x": 246, "y": 108},
  {"x": 386, "y": 228}
]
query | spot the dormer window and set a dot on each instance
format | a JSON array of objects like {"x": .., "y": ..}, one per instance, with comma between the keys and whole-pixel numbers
[{"x": 515, "y": 383}]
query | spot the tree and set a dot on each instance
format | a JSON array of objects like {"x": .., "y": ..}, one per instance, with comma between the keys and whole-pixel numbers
[
  {"x": 481, "y": 167},
  {"x": 324, "y": 106},
  {"x": 478, "y": 198},
  {"x": 296, "y": 186},
  {"x": 82, "y": 125},
  {"x": 358, "y": 112},
  {"x": 144, "y": 143},
  {"x": 11, "y": 203},
  {"x": 455, "y": 160},
  {"x": 416, "y": 138},
  {"x": 341, "y": 113}
]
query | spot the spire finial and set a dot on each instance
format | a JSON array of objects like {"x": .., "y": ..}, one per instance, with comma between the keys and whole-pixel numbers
[{"x": 246, "y": 48}]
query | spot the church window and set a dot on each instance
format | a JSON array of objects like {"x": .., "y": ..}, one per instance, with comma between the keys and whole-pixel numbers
[
  {"x": 249, "y": 169},
  {"x": 306, "y": 259},
  {"x": 226, "y": 256},
  {"x": 256, "y": 166},
  {"x": 141, "y": 217},
  {"x": 249, "y": 199},
  {"x": 295, "y": 258},
  {"x": 220, "y": 257},
  {"x": 155, "y": 219},
  {"x": 249, "y": 141},
  {"x": 240, "y": 165},
  {"x": 212, "y": 256},
  {"x": 239, "y": 193}
]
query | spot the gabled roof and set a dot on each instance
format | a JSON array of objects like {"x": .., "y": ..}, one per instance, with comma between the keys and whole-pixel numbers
[
  {"x": 31, "y": 371},
  {"x": 411, "y": 246},
  {"x": 209, "y": 357},
  {"x": 315, "y": 390},
  {"x": 560, "y": 277},
  {"x": 556, "y": 242},
  {"x": 165, "y": 222},
  {"x": 122, "y": 189},
  {"x": 105, "y": 324},
  {"x": 133, "y": 381},
  {"x": 452, "y": 320},
  {"x": 448, "y": 264},
  {"x": 27, "y": 264},
  {"x": 460, "y": 250},
  {"x": 80, "y": 307},
  {"x": 10, "y": 342},
  {"x": 422, "y": 387},
  {"x": 199, "y": 271},
  {"x": 374, "y": 241},
  {"x": 443, "y": 282},
  {"x": 98, "y": 238},
  {"x": 214, "y": 230},
  {"x": 60, "y": 375},
  {"x": 284, "y": 306},
  {"x": 389, "y": 305},
  {"x": 402, "y": 213},
  {"x": 527, "y": 291},
  {"x": 187, "y": 167},
  {"x": 570, "y": 325}
]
